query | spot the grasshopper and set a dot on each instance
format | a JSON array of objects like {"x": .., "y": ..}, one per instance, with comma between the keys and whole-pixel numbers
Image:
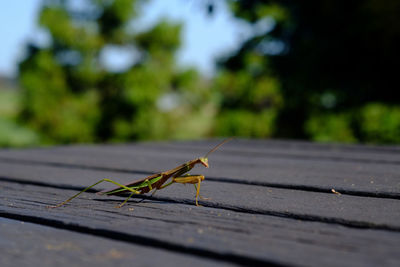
[{"x": 156, "y": 181}]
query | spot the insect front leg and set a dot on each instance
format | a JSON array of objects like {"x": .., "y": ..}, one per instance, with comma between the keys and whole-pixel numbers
[
  {"x": 201, "y": 197},
  {"x": 191, "y": 179}
]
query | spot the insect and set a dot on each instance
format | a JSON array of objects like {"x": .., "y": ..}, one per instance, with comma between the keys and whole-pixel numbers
[{"x": 156, "y": 181}]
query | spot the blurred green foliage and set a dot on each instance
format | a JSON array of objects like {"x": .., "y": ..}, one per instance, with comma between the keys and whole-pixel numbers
[
  {"x": 12, "y": 134},
  {"x": 318, "y": 70},
  {"x": 331, "y": 128},
  {"x": 70, "y": 95},
  {"x": 375, "y": 123},
  {"x": 250, "y": 101},
  {"x": 380, "y": 123},
  {"x": 333, "y": 63}
]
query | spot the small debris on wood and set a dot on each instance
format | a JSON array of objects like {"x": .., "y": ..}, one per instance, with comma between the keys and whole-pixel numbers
[{"x": 335, "y": 192}]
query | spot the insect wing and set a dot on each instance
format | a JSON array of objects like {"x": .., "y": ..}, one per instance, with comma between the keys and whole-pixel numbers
[{"x": 134, "y": 185}]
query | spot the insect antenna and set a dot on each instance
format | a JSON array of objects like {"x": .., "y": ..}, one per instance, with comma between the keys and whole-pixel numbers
[{"x": 217, "y": 146}]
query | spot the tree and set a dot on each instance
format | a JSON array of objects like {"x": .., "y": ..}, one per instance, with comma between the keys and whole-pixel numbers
[
  {"x": 69, "y": 94},
  {"x": 329, "y": 59}
]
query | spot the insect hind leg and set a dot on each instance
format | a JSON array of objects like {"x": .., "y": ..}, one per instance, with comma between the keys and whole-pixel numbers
[{"x": 87, "y": 188}]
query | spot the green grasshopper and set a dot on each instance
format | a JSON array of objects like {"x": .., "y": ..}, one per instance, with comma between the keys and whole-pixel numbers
[{"x": 156, "y": 181}]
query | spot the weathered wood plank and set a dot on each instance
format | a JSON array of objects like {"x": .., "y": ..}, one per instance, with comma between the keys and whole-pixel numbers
[
  {"x": 236, "y": 223},
  {"x": 310, "y": 174},
  {"x": 278, "y": 148},
  {"x": 388, "y": 154},
  {"x": 28, "y": 244},
  {"x": 344, "y": 209},
  {"x": 264, "y": 148},
  {"x": 211, "y": 231}
]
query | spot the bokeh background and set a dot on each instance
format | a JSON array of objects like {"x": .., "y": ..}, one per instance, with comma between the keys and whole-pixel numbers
[{"x": 87, "y": 71}]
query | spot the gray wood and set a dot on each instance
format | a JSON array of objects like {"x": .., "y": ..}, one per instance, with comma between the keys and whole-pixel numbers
[
  {"x": 211, "y": 232},
  {"x": 313, "y": 174},
  {"x": 319, "y": 206},
  {"x": 271, "y": 202},
  {"x": 28, "y": 244}
]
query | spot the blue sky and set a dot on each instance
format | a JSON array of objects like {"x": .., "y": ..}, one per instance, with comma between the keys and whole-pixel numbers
[{"x": 204, "y": 38}]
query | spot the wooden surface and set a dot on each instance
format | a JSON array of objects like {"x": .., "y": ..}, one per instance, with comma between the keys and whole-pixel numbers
[{"x": 271, "y": 203}]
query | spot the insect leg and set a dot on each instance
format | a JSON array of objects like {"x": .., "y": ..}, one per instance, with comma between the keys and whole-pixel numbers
[
  {"x": 149, "y": 184},
  {"x": 164, "y": 186},
  {"x": 152, "y": 194},
  {"x": 123, "y": 203},
  {"x": 87, "y": 188},
  {"x": 203, "y": 198},
  {"x": 190, "y": 179}
]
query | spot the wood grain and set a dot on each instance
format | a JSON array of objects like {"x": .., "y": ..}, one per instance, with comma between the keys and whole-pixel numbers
[{"x": 271, "y": 203}]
